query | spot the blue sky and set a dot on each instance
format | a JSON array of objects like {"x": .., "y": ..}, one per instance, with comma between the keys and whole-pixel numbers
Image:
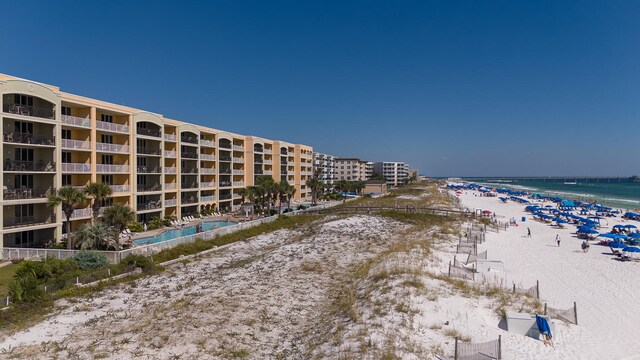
[{"x": 456, "y": 88}]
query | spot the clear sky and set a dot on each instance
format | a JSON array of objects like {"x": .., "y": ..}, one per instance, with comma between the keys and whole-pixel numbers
[{"x": 456, "y": 88}]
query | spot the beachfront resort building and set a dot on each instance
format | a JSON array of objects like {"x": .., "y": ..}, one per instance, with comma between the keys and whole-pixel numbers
[
  {"x": 353, "y": 169},
  {"x": 324, "y": 165},
  {"x": 157, "y": 166},
  {"x": 395, "y": 173}
]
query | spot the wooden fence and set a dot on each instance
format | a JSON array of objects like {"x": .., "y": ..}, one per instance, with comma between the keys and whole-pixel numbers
[
  {"x": 569, "y": 315},
  {"x": 478, "y": 351}
]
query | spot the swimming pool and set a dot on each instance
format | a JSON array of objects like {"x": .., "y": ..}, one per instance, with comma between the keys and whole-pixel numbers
[{"x": 176, "y": 233}]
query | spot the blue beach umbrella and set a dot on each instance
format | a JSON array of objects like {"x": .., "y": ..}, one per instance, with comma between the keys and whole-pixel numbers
[
  {"x": 631, "y": 249},
  {"x": 635, "y": 235},
  {"x": 618, "y": 245},
  {"x": 613, "y": 236},
  {"x": 560, "y": 221},
  {"x": 630, "y": 227},
  {"x": 618, "y": 226}
]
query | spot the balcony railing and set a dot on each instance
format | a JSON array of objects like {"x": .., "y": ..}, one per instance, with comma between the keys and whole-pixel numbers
[
  {"x": 120, "y": 188},
  {"x": 193, "y": 185},
  {"x": 238, "y": 159},
  {"x": 225, "y": 158},
  {"x": 26, "y": 138},
  {"x": 268, "y": 172},
  {"x": 107, "y": 126},
  {"x": 146, "y": 188},
  {"x": 268, "y": 162},
  {"x": 207, "y": 198},
  {"x": 238, "y": 172},
  {"x": 151, "y": 205},
  {"x": 14, "y": 222},
  {"x": 257, "y": 171},
  {"x": 170, "y": 186},
  {"x": 188, "y": 139},
  {"x": 189, "y": 200},
  {"x": 149, "y": 150},
  {"x": 268, "y": 151},
  {"x": 76, "y": 121},
  {"x": 189, "y": 154},
  {"x": 207, "y": 157},
  {"x": 208, "y": 185},
  {"x": 170, "y": 137},
  {"x": 187, "y": 170},
  {"x": 148, "y": 132},
  {"x": 225, "y": 197},
  {"x": 225, "y": 171},
  {"x": 207, "y": 171},
  {"x": 149, "y": 170},
  {"x": 170, "y": 202},
  {"x": 81, "y": 213},
  {"x": 25, "y": 110},
  {"x": 170, "y": 154},
  {"x": 209, "y": 143},
  {"x": 75, "y": 144},
  {"x": 40, "y": 166},
  {"x": 27, "y": 193},
  {"x": 224, "y": 145},
  {"x": 225, "y": 183},
  {"x": 76, "y": 168},
  {"x": 238, "y": 184},
  {"x": 170, "y": 170},
  {"x": 107, "y": 168},
  {"x": 115, "y": 148}
]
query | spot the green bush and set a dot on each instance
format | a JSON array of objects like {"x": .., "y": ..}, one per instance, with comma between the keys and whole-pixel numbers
[
  {"x": 25, "y": 288},
  {"x": 140, "y": 261},
  {"x": 90, "y": 260},
  {"x": 135, "y": 227},
  {"x": 154, "y": 223},
  {"x": 46, "y": 269}
]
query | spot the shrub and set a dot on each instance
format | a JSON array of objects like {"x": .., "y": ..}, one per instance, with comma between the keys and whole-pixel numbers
[
  {"x": 135, "y": 227},
  {"x": 140, "y": 261},
  {"x": 25, "y": 288},
  {"x": 46, "y": 269},
  {"x": 90, "y": 260}
]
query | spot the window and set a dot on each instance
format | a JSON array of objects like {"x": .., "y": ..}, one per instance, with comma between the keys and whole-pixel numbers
[
  {"x": 106, "y": 118},
  {"x": 24, "y": 154},
  {"x": 107, "y": 159},
  {"x": 107, "y": 179},
  {"x": 24, "y": 239},
  {"x": 23, "y": 127},
  {"x": 24, "y": 210},
  {"x": 66, "y": 134},
  {"x": 23, "y": 181},
  {"x": 66, "y": 179},
  {"x": 107, "y": 139},
  {"x": 65, "y": 110},
  {"x": 23, "y": 100},
  {"x": 66, "y": 157}
]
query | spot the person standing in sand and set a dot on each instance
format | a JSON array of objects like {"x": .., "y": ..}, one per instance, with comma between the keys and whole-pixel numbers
[
  {"x": 528, "y": 232},
  {"x": 558, "y": 239}
]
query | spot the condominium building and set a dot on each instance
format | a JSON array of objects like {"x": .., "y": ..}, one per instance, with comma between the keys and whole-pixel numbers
[
  {"x": 353, "y": 169},
  {"x": 395, "y": 173},
  {"x": 324, "y": 166},
  {"x": 155, "y": 165}
]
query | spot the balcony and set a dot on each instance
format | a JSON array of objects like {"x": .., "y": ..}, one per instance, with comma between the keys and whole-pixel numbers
[
  {"x": 26, "y": 138},
  {"x": 38, "y": 166},
  {"x": 170, "y": 170},
  {"x": 207, "y": 198},
  {"x": 26, "y": 110},
  {"x": 189, "y": 200},
  {"x": 170, "y": 186},
  {"x": 188, "y": 139},
  {"x": 225, "y": 171},
  {"x": 238, "y": 147},
  {"x": 224, "y": 145},
  {"x": 145, "y": 150},
  {"x": 149, "y": 170},
  {"x": 208, "y": 185},
  {"x": 27, "y": 193},
  {"x": 81, "y": 214},
  {"x": 76, "y": 121},
  {"x": 208, "y": 143},
  {"x": 150, "y": 205},
  {"x": 238, "y": 184},
  {"x": 207, "y": 171},
  {"x": 187, "y": 170},
  {"x": 225, "y": 197},
  {"x": 238, "y": 160},
  {"x": 170, "y": 137},
  {"x": 149, "y": 188},
  {"x": 170, "y": 202},
  {"x": 189, "y": 154},
  {"x": 116, "y": 128},
  {"x": 170, "y": 154},
  {"x": 116, "y": 169},
  {"x": 257, "y": 171},
  {"x": 268, "y": 162},
  {"x": 15, "y": 222},
  {"x": 225, "y": 184},
  {"x": 238, "y": 172},
  {"x": 268, "y": 172},
  {"x": 148, "y": 132},
  {"x": 112, "y": 148},
  {"x": 209, "y": 157},
  {"x": 75, "y": 144},
  {"x": 193, "y": 185},
  {"x": 79, "y": 168},
  {"x": 225, "y": 158},
  {"x": 268, "y": 151},
  {"x": 120, "y": 188}
]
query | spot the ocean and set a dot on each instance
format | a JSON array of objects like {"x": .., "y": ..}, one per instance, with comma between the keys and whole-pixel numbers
[{"x": 623, "y": 195}]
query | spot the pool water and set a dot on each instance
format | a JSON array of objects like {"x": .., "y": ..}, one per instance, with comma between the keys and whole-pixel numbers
[{"x": 176, "y": 233}]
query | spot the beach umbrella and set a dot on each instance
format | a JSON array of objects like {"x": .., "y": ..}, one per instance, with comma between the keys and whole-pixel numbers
[
  {"x": 631, "y": 249},
  {"x": 618, "y": 226},
  {"x": 634, "y": 235},
  {"x": 487, "y": 212},
  {"x": 630, "y": 227},
  {"x": 560, "y": 221},
  {"x": 618, "y": 245},
  {"x": 589, "y": 231},
  {"x": 613, "y": 236}
]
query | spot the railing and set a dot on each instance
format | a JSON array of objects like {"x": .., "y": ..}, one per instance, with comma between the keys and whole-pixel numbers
[
  {"x": 208, "y": 198},
  {"x": 238, "y": 183},
  {"x": 258, "y": 172},
  {"x": 209, "y": 143},
  {"x": 81, "y": 214},
  {"x": 108, "y": 168},
  {"x": 149, "y": 170},
  {"x": 27, "y": 193},
  {"x": 238, "y": 159},
  {"x": 106, "y": 126},
  {"x": 26, "y": 110},
  {"x": 151, "y": 205},
  {"x": 189, "y": 155},
  {"x": 148, "y": 132},
  {"x": 190, "y": 186},
  {"x": 207, "y": 171},
  {"x": 145, "y": 188},
  {"x": 14, "y": 222},
  {"x": 170, "y": 170},
  {"x": 170, "y": 186},
  {"x": 26, "y": 138},
  {"x": 238, "y": 147},
  {"x": 116, "y": 148},
  {"x": 76, "y": 121},
  {"x": 224, "y": 146},
  {"x": 188, "y": 139},
  {"x": 208, "y": 185},
  {"x": 258, "y": 161},
  {"x": 225, "y": 171},
  {"x": 189, "y": 200},
  {"x": 224, "y": 158},
  {"x": 170, "y": 154},
  {"x": 268, "y": 172},
  {"x": 189, "y": 170},
  {"x": 170, "y": 137},
  {"x": 120, "y": 188},
  {"x": 207, "y": 157},
  {"x": 225, "y": 197},
  {"x": 170, "y": 202},
  {"x": 75, "y": 144},
  {"x": 238, "y": 172},
  {"x": 76, "y": 168},
  {"x": 268, "y": 151},
  {"x": 149, "y": 150},
  {"x": 236, "y": 196},
  {"x": 224, "y": 184}
]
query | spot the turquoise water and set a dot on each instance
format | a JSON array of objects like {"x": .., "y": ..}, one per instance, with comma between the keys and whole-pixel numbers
[
  {"x": 172, "y": 234},
  {"x": 624, "y": 195}
]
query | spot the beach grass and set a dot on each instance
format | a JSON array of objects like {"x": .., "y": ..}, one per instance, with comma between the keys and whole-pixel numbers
[{"x": 6, "y": 274}]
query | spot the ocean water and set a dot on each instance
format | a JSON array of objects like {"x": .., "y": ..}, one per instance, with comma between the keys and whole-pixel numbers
[{"x": 623, "y": 195}]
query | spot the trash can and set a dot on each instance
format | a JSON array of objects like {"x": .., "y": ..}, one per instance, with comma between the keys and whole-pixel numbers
[{"x": 524, "y": 219}]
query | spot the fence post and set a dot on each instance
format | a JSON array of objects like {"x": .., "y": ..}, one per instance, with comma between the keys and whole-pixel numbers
[
  {"x": 538, "y": 289},
  {"x": 108, "y": 272},
  {"x": 77, "y": 280},
  {"x": 514, "y": 288},
  {"x": 449, "y": 268},
  {"x": 545, "y": 308},
  {"x": 499, "y": 346},
  {"x": 455, "y": 353},
  {"x": 575, "y": 311}
]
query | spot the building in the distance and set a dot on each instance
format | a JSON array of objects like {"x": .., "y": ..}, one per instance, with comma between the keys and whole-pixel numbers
[
  {"x": 413, "y": 174},
  {"x": 156, "y": 166},
  {"x": 353, "y": 169},
  {"x": 324, "y": 166},
  {"x": 395, "y": 173}
]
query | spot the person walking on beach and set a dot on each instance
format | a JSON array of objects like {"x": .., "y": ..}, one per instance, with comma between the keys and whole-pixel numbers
[
  {"x": 558, "y": 239},
  {"x": 528, "y": 232}
]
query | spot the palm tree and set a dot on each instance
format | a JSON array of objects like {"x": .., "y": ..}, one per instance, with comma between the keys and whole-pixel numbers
[
  {"x": 282, "y": 191},
  {"x": 265, "y": 188},
  {"x": 291, "y": 191},
  {"x": 119, "y": 216},
  {"x": 98, "y": 236},
  {"x": 99, "y": 192},
  {"x": 314, "y": 184},
  {"x": 70, "y": 198}
]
